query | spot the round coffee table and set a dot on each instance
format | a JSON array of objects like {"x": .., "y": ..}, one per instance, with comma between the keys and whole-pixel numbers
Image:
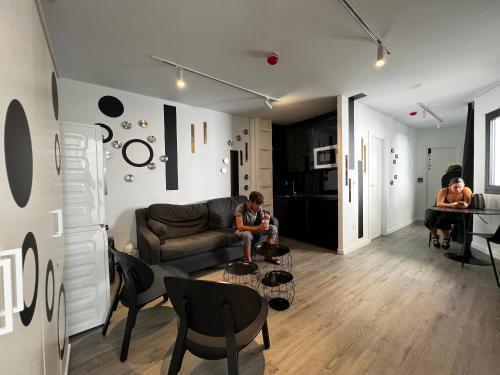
[
  {"x": 242, "y": 273},
  {"x": 273, "y": 258},
  {"x": 279, "y": 289}
]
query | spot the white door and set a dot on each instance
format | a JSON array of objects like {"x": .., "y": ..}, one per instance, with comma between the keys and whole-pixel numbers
[
  {"x": 438, "y": 161},
  {"x": 375, "y": 178}
]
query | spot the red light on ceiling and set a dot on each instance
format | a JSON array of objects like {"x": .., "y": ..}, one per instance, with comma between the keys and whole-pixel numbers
[
  {"x": 273, "y": 58},
  {"x": 413, "y": 113}
]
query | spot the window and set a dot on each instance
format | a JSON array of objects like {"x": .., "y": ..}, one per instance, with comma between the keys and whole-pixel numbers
[{"x": 492, "y": 185}]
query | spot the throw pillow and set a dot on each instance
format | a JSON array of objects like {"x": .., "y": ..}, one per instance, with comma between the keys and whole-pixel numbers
[{"x": 157, "y": 227}]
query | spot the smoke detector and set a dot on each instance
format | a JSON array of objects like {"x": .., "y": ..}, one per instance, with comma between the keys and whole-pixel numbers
[{"x": 273, "y": 58}]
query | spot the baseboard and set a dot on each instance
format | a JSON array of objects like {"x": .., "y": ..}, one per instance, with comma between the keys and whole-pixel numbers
[
  {"x": 400, "y": 226},
  {"x": 354, "y": 247}
]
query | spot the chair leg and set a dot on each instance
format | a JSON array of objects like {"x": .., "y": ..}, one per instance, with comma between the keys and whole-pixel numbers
[
  {"x": 493, "y": 263},
  {"x": 131, "y": 317},
  {"x": 112, "y": 308},
  {"x": 232, "y": 362},
  {"x": 430, "y": 239},
  {"x": 177, "y": 357},
  {"x": 265, "y": 336}
]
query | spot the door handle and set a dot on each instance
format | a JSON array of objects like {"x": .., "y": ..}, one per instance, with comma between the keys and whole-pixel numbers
[
  {"x": 58, "y": 214},
  {"x": 7, "y": 312}
]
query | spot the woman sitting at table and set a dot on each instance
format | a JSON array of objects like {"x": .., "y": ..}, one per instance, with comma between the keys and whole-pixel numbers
[{"x": 455, "y": 195}]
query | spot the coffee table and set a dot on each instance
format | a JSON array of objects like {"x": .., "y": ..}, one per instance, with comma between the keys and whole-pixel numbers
[{"x": 242, "y": 273}]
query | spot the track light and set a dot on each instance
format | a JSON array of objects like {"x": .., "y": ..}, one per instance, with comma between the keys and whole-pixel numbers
[
  {"x": 180, "y": 78},
  {"x": 268, "y": 103},
  {"x": 380, "y": 55}
]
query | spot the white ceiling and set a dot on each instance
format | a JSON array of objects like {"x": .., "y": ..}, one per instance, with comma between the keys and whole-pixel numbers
[{"x": 451, "y": 47}]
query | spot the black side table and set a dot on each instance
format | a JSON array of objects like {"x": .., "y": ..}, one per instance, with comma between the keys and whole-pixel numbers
[
  {"x": 279, "y": 253},
  {"x": 279, "y": 289},
  {"x": 242, "y": 273}
]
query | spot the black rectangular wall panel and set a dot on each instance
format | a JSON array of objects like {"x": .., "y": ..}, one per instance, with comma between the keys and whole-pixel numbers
[
  {"x": 235, "y": 179},
  {"x": 171, "y": 166},
  {"x": 360, "y": 198},
  {"x": 351, "y": 133}
]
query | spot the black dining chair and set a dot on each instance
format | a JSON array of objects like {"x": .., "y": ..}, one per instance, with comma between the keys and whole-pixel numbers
[
  {"x": 216, "y": 320},
  {"x": 495, "y": 238},
  {"x": 138, "y": 284}
]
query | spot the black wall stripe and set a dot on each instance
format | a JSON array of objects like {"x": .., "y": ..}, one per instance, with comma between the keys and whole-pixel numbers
[
  {"x": 351, "y": 133},
  {"x": 171, "y": 166},
  {"x": 360, "y": 198},
  {"x": 235, "y": 177}
]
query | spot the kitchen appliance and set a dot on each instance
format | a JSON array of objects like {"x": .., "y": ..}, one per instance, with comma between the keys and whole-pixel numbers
[
  {"x": 325, "y": 157},
  {"x": 86, "y": 277}
]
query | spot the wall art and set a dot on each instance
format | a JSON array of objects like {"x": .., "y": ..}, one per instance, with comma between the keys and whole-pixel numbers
[
  {"x": 126, "y": 124},
  {"x": 142, "y": 123},
  {"x": 205, "y": 133},
  {"x": 151, "y": 166},
  {"x": 151, "y": 139},
  {"x": 129, "y": 177},
  {"x": 193, "y": 147},
  {"x": 133, "y": 163},
  {"x": 117, "y": 144},
  {"x": 164, "y": 158}
]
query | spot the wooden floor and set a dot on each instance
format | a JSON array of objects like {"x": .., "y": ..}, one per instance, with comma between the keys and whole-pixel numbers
[{"x": 393, "y": 307}]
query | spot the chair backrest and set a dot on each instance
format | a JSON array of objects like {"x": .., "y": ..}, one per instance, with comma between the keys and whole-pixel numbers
[
  {"x": 137, "y": 274},
  {"x": 205, "y": 300}
]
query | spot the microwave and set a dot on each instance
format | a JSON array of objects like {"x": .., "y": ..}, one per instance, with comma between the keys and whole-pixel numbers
[{"x": 325, "y": 157}]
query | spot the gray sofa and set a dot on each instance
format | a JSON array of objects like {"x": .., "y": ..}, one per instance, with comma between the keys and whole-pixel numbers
[{"x": 190, "y": 237}]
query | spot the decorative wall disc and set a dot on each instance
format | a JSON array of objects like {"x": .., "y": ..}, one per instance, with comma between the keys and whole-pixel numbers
[
  {"x": 129, "y": 178},
  {"x": 126, "y": 124},
  {"x": 132, "y": 163},
  {"x": 223, "y": 170},
  {"x": 108, "y": 154},
  {"x": 246, "y": 177},
  {"x": 225, "y": 161},
  {"x": 142, "y": 123},
  {"x": 106, "y": 139},
  {"x": 55, "y": 96},
  {"x": 151, "y": 166},
  {"x": 164, "y": 158},
  {"x": 57, "y": 154},
  {"x": 230, "y": 142},
  {"x": 111, "y": 106},
  {"x": 61, "y": 304},
  {"x": 49, "y": 308},
  {"x": 245, "y": 131},
  {"x": 18, "y": 153},
  {"x": 151, "y": 139},
  {"x": 29, "y": 243},
  {"x": 238, "y": 137}
]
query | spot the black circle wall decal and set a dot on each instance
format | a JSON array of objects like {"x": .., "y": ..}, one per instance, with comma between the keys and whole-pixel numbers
[
  {"x": 127, "y": 159},
  {"x": 109, "y": 137},
  {"x": 57, "y": 154},
  {"x": 50, "y": 309},
  {"x": 111, "y": 106},
  {"x": 55, "y": 96},
  {"x": 18, "y": 153},
  {"x": 63, "y": 295},
  {"x": 28, "y": 312}
]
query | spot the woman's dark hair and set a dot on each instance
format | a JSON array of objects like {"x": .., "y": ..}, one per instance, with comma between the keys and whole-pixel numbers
[{"x": 456, "y": 180}]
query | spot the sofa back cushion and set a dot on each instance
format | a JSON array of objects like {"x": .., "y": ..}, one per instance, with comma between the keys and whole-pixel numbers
[
  {"x": 181, "y": 220},
  {"x": 221, "y": 211}
]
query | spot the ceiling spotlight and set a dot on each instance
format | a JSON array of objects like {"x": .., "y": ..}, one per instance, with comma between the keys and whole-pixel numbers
[
  {"x": 268, "y": 103},
  {"x": 380, "y": 55},
  {"x": 180, "y": 78}
]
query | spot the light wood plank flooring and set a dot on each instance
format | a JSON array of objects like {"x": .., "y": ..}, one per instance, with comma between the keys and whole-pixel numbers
[{"x": 393, "y": 307}]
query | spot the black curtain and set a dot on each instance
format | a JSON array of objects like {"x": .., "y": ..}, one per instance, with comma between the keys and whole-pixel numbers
[{"x": 468, "y": 161}]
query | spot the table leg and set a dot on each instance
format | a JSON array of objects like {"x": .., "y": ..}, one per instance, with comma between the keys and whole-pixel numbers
[{"x": 466, "y": 255}]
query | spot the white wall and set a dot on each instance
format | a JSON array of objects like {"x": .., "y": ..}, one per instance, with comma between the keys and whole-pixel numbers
[
  {"x": 428, "y": 138},
  {"x": 199, "y": 174},
  {"x": 399, "y": 205},
  {"x": 484, "y": 104}
]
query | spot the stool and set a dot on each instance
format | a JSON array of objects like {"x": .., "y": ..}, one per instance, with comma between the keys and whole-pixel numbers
[
  {"x": 242, "y": 273},
  {"x": 279, "y": 289},
  {"x": 280, "y": 253}
]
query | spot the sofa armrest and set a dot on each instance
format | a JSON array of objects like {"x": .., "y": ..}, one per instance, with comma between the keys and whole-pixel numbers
[{"x": 148, "y": 243}]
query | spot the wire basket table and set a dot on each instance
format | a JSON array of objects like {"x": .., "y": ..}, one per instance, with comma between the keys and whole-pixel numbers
[
  {"x": 279, "y": 289},
  {"x": 242, "y": 273},
  {"x": 272, "y": 258}
]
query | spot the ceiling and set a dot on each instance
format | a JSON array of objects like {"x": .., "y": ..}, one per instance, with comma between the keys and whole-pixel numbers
[{"x": 450, "y": 47}]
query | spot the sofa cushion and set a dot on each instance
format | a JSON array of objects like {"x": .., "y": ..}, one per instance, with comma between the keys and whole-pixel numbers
[
  {"x": 221, "y": 211},
  {"x": 175, "y": 248},
  {"x": 232, "y": 239},
  {"x": 181, "y": 220},
  {"x": 157, "y": 227}
]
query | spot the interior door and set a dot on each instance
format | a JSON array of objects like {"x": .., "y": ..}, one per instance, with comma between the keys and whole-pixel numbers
[
  {"x": 438, "y": 161},
  {"x": 375, "y": 178}
]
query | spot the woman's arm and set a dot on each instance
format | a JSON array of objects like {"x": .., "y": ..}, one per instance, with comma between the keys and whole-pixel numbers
[
  {"x": 467, "y": 197},
  {"x": 440, "y": 200}
]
